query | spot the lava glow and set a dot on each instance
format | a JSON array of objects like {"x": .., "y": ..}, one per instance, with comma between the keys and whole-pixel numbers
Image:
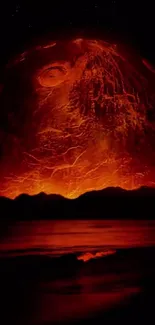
[
  {"x": 89, "y": 256},
  {"x": 76, "y": 116}
]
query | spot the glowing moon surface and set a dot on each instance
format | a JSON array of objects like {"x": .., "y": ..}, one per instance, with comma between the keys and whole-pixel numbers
[{"x": 76, "y": 115}]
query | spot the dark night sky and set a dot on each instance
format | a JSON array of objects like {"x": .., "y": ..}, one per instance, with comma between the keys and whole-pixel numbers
[{"x": 21, "y": 21}]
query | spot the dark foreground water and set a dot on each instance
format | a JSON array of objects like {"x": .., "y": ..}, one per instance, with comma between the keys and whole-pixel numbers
[{"x": 77, "y": 272}]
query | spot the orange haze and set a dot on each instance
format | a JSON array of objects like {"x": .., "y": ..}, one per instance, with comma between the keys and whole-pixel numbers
[{"x": 76, "y": 116}]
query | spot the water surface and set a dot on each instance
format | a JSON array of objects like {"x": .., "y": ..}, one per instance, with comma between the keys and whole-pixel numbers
[
  {"x": 60, "y": 237},
  {"x": 67, "y": 272}
]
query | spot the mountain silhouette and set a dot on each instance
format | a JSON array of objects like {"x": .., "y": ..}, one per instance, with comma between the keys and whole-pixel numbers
[{"x": 112, "y": 203}]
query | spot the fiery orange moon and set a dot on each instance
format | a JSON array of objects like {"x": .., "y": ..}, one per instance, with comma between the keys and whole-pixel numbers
[{"x": 76, "y": 115}]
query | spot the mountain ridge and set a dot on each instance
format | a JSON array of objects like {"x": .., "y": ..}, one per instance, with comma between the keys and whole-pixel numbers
[
  {"x": 106, "y": 191},
  {"x": 112, "y": 202}
]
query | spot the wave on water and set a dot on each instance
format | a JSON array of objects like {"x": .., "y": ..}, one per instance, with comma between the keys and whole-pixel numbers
[{"x": 88, "y": 256}]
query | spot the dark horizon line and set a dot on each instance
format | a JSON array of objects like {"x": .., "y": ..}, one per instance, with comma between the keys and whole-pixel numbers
[{"x": 109, "y": 190}]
